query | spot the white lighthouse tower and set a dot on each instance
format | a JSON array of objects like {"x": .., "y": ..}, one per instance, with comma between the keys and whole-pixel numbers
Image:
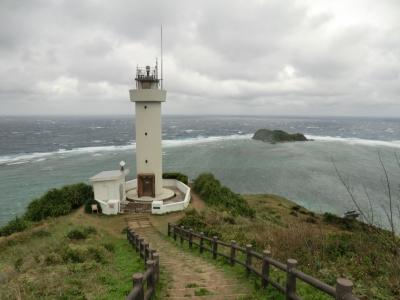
[{"x": 148, "y": 97}]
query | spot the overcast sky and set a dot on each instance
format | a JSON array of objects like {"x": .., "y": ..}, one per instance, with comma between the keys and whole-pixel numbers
[{"x": 273, "y": 57}]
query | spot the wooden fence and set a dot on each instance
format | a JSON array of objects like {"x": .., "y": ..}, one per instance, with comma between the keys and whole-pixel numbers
[
  {"x": 144, "y": 284},
  {"x": 232, "y": 253}
]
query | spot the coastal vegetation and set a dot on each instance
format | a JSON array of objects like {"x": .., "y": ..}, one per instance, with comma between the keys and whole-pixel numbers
[
  {"x": 176, "y": 175},
  {"x": 326, "y": 246},
  {"x": 215, "y": 194},
  {"x": 278, "y": 136},
  {"x": 76, "y": 256},
  {"x": 54, "y": 203}
]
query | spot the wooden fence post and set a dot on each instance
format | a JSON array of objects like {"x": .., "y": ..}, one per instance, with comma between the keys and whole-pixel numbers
[
  {"x": 141, "y": 240},
  {"x": 233, "y": 253},
  {"x": 152, "y": 251},
  {"x": 146, "y": 251},
  {"x": 201, "y": 243},
  {"x": 169, "y": 229},
  {"x": 181, "y": 233},
  {"x": 290, "y": 278},
  {"x": 136, "y": 242},
  {"x": 151, "y": 282},
  {"x": 344, "y": 288},
  {"x": 133, "y": 239},
  {"x": 265, "y": 269},
  {"x": 137, "y": 279},
  {"x": 190, "y": 238},
  {"x": 174, "y": 232},
  {"x": 215, "y": 247},
  {"x": 248, "y": 259},
  {"x": 156, "y": 259}
]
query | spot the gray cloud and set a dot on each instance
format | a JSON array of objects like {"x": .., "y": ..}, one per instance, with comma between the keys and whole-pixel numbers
[{"x": 225, "y": 57}]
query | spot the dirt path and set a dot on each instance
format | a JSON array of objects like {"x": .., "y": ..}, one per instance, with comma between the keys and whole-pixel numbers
[{"x": 188, "y": 276}]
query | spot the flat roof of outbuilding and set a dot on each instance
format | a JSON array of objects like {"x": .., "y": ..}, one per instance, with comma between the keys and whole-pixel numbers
[{"x": 109, "y": 175}]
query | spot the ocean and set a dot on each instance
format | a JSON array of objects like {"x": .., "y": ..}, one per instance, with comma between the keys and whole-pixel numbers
[{"x": 39, "y": 153}]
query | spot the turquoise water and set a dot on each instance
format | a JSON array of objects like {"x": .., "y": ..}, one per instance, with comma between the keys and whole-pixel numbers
[{"x": 302, "y": 172}]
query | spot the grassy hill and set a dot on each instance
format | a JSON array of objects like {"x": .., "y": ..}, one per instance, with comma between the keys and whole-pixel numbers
[
  {"x": 78, "y": 256},
  {"x": 325, "y": 246}
]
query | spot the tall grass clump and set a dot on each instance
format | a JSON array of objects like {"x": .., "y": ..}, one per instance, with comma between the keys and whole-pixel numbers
[{"x": 215, "y": 194}]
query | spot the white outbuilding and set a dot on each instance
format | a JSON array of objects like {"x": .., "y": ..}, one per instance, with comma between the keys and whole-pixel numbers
[{"x": 110, "y": 190}]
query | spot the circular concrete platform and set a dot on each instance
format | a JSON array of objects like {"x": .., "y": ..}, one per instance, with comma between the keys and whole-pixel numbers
[{"x": 165, "y": 195}]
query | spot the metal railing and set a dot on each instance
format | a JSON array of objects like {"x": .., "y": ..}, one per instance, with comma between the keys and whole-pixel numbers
[
  {"x": 144, "y": 284},
  {"x": 342, "y": 290}
]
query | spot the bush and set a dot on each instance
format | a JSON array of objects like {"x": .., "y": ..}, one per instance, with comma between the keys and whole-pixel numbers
[
  {"x": 109, "y": 247},
  {"x": 96, "y": 254},
  {"x": 16, "y": 225},
  {"x": 58, "y": 202},
  {"x": 175, "y": 175},
  {"x": 76, "y": 234},
  {"x": 344, "y": 223},
  {"x": 81, "y": 234},
  {"x": 72, "y": 255},
  {"x": 213, "y": 193}
]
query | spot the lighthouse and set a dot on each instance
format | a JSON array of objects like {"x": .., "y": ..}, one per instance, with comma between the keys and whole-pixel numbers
[
  {"x": 148, "y": 97},
  {"x": 149, "y": 192}
]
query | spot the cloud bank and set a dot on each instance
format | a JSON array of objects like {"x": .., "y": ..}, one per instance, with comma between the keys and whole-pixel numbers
[{"x": 275, "y": 57}]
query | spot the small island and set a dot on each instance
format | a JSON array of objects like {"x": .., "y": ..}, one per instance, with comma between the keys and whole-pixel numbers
[{"x": 278, "y": 136}]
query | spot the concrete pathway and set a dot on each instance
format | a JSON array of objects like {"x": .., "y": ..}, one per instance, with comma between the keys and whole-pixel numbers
[{"x": 187, "y": 276}]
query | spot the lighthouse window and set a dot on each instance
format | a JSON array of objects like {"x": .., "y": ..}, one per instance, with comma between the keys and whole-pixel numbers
[
  {"x": 145, "y": 107},
  {"x": 145, "y": 133},
  {"x": 146, "y": 161}
]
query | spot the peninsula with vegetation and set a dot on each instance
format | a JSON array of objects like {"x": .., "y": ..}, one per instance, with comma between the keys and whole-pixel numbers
[{"x": 278, "y": 136}]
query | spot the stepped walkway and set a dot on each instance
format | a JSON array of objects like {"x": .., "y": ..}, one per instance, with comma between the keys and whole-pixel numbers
[{"x": 187, "y": 275}]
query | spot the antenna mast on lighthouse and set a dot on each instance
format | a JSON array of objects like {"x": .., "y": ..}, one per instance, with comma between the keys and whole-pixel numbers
[{"x": 162, "y": 79}]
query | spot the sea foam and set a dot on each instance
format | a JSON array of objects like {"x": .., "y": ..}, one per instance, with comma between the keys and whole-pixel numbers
[
  {"x": 355, "y": 141},
  {"x": 38, "y": 156}
]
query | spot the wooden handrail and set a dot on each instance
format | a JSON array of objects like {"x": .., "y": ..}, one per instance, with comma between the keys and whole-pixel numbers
[
  {"x": 144, "y": 284},
  {"x": 342, "y": 290}
]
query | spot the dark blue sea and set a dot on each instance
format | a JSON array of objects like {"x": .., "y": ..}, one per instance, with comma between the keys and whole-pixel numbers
[{"x": 38, "y": 153}]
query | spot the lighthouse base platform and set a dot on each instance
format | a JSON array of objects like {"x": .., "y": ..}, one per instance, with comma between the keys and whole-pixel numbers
[{"x": 166, "y": 194}]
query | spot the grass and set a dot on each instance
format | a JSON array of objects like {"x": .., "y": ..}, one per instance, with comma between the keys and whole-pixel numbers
[
  {"x": 326, "y": 246},
  {"x": 77, "y": 256}
]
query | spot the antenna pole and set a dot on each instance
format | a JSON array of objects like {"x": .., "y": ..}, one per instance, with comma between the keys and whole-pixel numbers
[{"x": 162, "y": 79}]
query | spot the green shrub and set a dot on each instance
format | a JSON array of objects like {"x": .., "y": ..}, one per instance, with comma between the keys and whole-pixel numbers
[
  {"x": 76, "y": 234},
  {"x": 96, "y": 254},
  {"x": 18, "y": 264},
  {"x": 213, "y": 193},
  {"x": 109, "y": 247},
  {"x": 344, "y": 223},
  {"x": 89, "y": 230},
  {"x": 175, "y": 175},
  {"x": 72, "y": 255},
  {"x": 16, "y": 225},
  {"x": 58, "y": 202},
  {"x": 52, "y": 259},
  {"x": 311, "y": 220},
  {"x": 196, "y": 221}
]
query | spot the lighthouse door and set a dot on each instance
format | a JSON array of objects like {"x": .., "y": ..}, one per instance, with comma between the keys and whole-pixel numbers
[{"x": 146, "y": 185}]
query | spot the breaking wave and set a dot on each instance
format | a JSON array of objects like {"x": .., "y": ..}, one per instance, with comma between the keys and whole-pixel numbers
[
  {"x": 355, "y": 141},
  {"x": 40, "y": 156}
]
